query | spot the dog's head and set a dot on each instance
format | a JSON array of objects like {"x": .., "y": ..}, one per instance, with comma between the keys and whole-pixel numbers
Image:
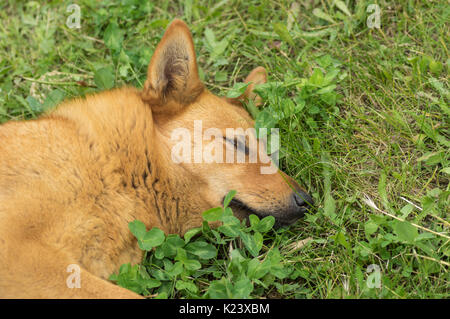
[{"x": 213, "y": 138}]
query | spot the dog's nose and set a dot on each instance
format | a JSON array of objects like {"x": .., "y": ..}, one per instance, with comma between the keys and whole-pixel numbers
[{"x": 303, "y": 201}]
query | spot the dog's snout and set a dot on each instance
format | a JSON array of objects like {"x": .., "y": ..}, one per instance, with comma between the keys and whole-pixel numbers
[{"x": 303, "y": 201}]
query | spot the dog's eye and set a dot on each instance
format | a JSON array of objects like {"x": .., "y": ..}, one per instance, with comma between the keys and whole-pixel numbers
[{"x": 239, "y": 144}]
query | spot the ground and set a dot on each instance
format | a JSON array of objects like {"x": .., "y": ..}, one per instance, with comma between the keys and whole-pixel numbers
[{"x": 362, "y": 109}]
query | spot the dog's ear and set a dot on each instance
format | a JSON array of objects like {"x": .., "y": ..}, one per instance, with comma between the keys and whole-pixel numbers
[
  {"x": 172, "y": 77},
  {"x": 257, "y": 76}
]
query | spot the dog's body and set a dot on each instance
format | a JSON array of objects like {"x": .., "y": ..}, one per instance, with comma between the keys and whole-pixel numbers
[{"x": 71, "y": 181}]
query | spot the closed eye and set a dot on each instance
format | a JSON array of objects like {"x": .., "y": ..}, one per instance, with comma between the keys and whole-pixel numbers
[{"x": 239, "y": 144}]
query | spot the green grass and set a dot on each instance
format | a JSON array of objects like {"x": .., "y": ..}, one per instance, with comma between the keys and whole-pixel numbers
[{"x": 363, "y": 116}]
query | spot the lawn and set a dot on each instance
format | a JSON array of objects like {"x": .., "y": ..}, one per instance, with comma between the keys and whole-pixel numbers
[{"x": 364, "y": 124}]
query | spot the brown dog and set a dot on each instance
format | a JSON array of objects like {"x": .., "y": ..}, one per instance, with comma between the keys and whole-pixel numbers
[{"x": 71, "y": 181}]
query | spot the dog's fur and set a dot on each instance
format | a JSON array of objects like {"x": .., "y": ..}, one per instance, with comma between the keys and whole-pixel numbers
[{"x": 72, "y": 180}]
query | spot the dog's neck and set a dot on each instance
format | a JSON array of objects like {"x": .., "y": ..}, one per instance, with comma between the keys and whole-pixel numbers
[
  {"x": 162, "y": 187},
  {"x": 119, "y": 128}
]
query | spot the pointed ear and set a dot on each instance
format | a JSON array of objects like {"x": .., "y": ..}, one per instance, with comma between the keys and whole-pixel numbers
[
  {"x": 172, "y": 73},
  {"x": 257, "y": 76}
]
